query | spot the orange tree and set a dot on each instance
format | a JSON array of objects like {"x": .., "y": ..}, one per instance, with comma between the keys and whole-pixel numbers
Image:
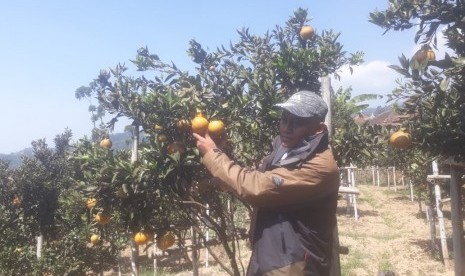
[
  {"x": 16, "y": 246},
  {"x": 36, "y": 202},
  {"x": 432, "y": 90},
  {"x": 238, "y": 85},
  {"x": 352, "y": 143}
]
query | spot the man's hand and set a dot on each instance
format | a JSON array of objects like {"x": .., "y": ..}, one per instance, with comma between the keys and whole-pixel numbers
[{"x": 204, "y": 144}]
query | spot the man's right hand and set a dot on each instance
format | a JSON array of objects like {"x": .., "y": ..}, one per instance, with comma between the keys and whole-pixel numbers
[{"x": 204, "y": 144}]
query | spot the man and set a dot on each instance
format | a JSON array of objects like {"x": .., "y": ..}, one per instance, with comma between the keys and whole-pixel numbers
[{"x": 293, "y": 192}]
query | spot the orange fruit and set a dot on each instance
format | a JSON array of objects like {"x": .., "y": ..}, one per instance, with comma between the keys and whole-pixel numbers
[
  {"x": 199, "y": 124},
  {"x": 141, "y": 238},
  {"x": 424, "y": 55},
  {"x": 91, "y": 202},
  {"x": 162, "y": 138},
  {"x": 307, "y": 32},
  {"x": 166, "y": 240},
  {"x": 94, "y": 239},
  {"x": 183, "y": 125},
  {"x": 400, "y": 139},
  {"x": 101, "y": 218},
  {"x": 430, "y": 55},
  {"x": 175, "y": 147},
  {"x": 106, "y": 143},
  {"x": 158, "y": 128},
  {"x": 16, "y": 201},
  {"x": 216, "y": 128}
]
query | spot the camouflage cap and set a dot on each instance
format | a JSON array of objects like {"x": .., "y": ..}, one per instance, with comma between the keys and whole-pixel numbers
[{"x": 306, "y": 104}]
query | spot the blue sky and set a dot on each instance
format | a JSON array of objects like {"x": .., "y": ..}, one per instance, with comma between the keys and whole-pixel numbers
[{"x": 49, "y": 48}]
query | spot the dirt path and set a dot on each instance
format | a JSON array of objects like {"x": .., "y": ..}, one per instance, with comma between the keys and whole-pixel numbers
[{"x": 390, "y": 235}]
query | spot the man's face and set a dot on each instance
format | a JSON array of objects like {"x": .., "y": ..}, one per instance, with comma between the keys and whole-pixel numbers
[{"x": 293, "y": 129}]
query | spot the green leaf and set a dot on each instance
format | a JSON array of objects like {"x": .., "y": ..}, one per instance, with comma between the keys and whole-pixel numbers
[{"x": 444, "y": 84}]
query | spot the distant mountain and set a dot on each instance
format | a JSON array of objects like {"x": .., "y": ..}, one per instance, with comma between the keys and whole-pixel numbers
[
  {"x": 14, "y": 158},
  {"x": 120, "y": 141},
  {"x": 375, "y": 111}
]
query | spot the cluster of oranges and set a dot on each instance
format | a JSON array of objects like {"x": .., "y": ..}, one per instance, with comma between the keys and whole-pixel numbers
[
  {"x": 140, "y": 238},
  {"x": 163, "y": 242},
  {"x": 199, "y": 124}
]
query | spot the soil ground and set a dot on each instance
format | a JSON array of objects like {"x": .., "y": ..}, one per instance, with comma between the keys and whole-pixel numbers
[{"x": 391, "y": 234}]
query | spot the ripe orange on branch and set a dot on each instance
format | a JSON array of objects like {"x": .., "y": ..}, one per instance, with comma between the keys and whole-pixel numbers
[
  {"x": 106, "y": 143},
  {"x": 102, "y": 218},
  {"x": 216, "y": 128},
  {"x": 307, "y": 32},
  {"x": 166, "y": 240},
  {"x": 199, "y": 124},
  {"x": 424, "y": 55},
  {"x": 430, "y": 55},
  {"x": 16, "y": 201},
  {"x": 400, "y": 139},
  {"x": 95, "y": 239},
  {"x": 162, "y": 138},
  {"x": 91, "y": 202},
  {"x": 141, "y": 238},
  {"x": 158, "y": 128}
]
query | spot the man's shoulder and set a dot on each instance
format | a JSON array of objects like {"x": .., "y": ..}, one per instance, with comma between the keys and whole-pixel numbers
[{"x": 324, "y": 158}]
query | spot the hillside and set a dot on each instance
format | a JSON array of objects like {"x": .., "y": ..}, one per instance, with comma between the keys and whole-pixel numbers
[{"x": 120, "y": 141}]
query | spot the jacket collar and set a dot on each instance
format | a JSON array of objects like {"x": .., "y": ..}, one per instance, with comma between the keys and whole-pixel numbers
[{"x": 304, "y": 151}]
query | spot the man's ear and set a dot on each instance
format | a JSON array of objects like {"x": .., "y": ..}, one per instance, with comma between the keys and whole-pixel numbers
[{"x": 321, "y": 127}]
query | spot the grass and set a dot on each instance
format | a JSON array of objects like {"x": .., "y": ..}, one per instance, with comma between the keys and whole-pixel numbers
[
  {"x": 389, "y": 220},
  {"x": 370, "y": 200},
  {"x": 385, "y": 264},
  {"x": 352, "y": 262}
]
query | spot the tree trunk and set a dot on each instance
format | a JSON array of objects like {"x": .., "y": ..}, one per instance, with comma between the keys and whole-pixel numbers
[
  {"x": 134, "y": 246},
  {"x": 40, "y": 242},
  {"x": 457, "y": 222}
]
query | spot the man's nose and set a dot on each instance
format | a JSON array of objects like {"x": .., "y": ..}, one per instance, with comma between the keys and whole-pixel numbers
[{"x": 288, "y": 126}]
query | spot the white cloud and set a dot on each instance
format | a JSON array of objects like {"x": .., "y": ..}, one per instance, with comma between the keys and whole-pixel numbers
[{"x": 374, "y": 77}]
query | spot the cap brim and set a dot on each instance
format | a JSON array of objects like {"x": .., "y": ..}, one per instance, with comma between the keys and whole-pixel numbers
[{"x": 293, "y": 110}]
